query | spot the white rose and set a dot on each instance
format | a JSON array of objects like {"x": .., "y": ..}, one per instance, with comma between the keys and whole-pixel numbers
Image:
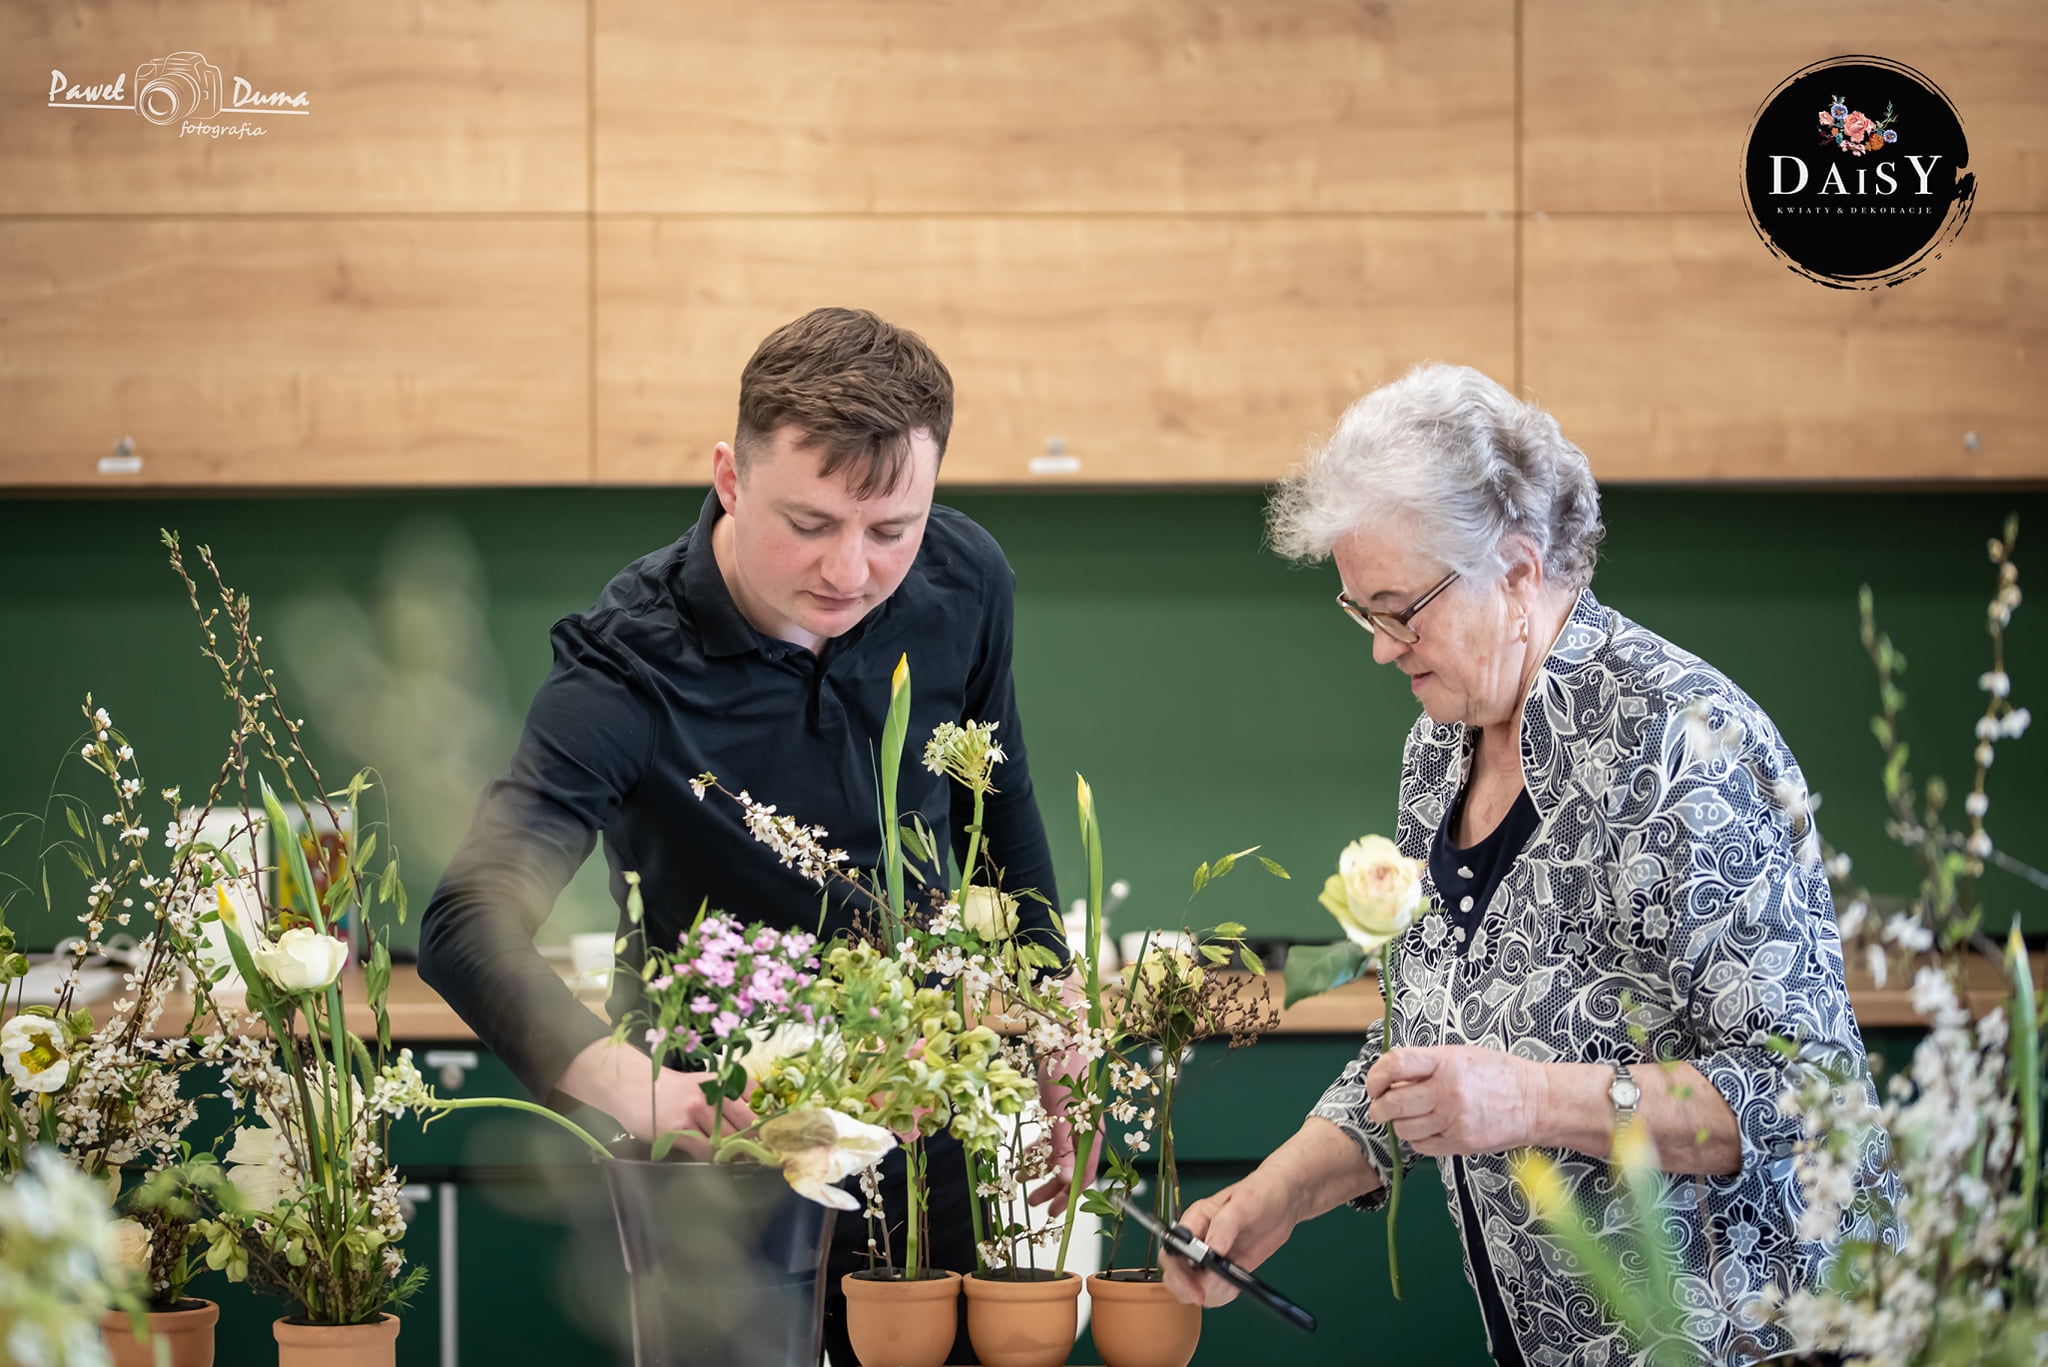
[
  {"x": 767, "y": 1048},
  {"x": 819, "y": 1148},
  {"x": 131, "y": 1242},
  {"x": 989, "y": 913},
  {"x": 1375, "y": 892},
  {"x": 256, "y": 1144},
  {"x": 258, "y": 1166},
  {"x": 37, "y": 1052},
  {"x": 302, "y": 960}
]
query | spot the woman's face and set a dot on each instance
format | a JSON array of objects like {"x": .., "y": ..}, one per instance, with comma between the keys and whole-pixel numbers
[{"x": 1467, "y": 664}]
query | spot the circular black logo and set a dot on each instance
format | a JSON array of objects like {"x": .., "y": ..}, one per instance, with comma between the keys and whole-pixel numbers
[{"x": 1856, "y": 172}]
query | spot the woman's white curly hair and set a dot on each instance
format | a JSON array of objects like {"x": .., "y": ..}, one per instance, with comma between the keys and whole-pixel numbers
[{"x": 1460, "y": 465}]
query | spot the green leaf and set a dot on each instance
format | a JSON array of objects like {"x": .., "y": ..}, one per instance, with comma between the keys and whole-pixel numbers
[
  {"x": 292, "y": 853},
  {"x": 1227, "y": 930},
  {"x": 71, "y": 819},
  {"x": 1275, "y": 869},
  {"x": 21, "y": 820},
  {"x": 364, "y": 851},
  {"x": 918, "y": 839},
  {"x": 376, "y": 984},
  {"x": 663, "y": 1142},
  {"x": 1202, "y": 876},
  {"x": 1315, "y": 969},
  {"x": 1252, "y": 962},
  {"x": 79, "y": 860}
]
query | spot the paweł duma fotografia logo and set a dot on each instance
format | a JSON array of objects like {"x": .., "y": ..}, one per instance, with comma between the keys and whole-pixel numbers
[{"x": 184, "y": 90}]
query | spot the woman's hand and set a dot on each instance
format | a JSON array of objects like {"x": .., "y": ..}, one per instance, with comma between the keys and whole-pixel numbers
[
  {"x": 1456, "y": 1099},
  {"x": 1245, "y": 1222},
  {"x": 1317, "y": 1170}
]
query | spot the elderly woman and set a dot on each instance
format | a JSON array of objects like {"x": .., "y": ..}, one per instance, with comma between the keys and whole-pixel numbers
[{"x": 1633, "y": 907}]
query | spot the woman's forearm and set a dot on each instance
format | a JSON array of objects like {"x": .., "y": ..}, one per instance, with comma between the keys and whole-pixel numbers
[
  {"x": 1693, "y": 1128},
  {"x": 1320, "y": 1168}
]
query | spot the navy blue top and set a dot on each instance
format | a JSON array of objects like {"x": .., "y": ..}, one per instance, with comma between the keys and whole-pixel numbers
[
  {"x": 1466, "y": 879},
  {"x": 663, "y": 679}
]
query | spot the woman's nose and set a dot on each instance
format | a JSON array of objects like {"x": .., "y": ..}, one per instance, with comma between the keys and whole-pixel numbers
[{"x": 1385, "y": 649}]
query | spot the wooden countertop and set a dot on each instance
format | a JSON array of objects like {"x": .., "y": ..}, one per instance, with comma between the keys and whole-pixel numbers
[{"x": 418, "y": 1013}]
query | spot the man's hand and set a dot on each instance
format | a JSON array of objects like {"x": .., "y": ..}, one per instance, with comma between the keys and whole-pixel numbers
[
  {"x": 616, "y": 1078},
  {"x": 1054, "y": 1095},
  {"x": 1245, "y": 1222},
  {"x": 1457, "y": 1099}
]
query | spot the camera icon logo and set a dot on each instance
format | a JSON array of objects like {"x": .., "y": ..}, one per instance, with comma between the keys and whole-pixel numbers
[{"x": 180, "y": 86}]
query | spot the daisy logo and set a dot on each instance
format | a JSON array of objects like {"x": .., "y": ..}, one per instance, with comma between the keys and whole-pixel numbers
[{"x": 1872, "y": 200}]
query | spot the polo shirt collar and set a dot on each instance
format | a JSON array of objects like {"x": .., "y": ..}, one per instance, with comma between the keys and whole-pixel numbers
[{"x": 721, "y": 629}]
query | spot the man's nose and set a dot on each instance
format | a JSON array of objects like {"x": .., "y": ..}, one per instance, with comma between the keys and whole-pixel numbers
[{"x": 845, "y": 564}]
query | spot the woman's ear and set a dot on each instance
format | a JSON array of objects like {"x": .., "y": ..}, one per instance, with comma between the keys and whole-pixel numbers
[{"x": 1524, "y": 577}]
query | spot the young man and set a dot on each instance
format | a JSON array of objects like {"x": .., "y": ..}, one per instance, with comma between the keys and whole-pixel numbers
[{"x": 758, "y": 648}]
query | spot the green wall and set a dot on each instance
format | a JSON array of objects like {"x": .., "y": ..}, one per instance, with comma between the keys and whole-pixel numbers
[{"x": 1214, "y": 696}]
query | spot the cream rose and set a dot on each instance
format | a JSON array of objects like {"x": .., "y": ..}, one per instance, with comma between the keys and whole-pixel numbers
[
  {"x": 989, "y": 913},
  {"x": 1375, "y": 892},
  {"x": 37, "y": 1052},
  {"x": 131, "y": 1242},
  {"x": 258, "y": 1166},
  {"x": 819, "y": 1148},
  {"x": 302, "y": 959}
]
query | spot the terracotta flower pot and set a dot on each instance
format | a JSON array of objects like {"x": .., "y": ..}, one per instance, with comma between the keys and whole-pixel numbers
[
  {"x": 337, "y": 1345},
  {"x": 896, "y": 1323},
  {"x": 1026, "y": 1323},
  {"x": 1138, "y": 1323},
  {"x": 188, "y": 1330}
]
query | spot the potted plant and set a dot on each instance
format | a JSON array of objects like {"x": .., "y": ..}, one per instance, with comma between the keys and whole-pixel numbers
[
  {"x": 62, "y": 1262},
  {"x": 1178, "y": 991},
  {"x": 108, "y": 1095},
  {"x": 908, "y": 1054}
]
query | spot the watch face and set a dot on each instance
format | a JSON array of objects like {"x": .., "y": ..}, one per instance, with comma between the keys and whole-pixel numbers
[{"x": 1624, "y": 1092}]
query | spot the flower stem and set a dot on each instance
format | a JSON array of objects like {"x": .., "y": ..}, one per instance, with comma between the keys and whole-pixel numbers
[
  {"x": 513, "y": 1103},
  {"x": 1393, "y": 1139}
]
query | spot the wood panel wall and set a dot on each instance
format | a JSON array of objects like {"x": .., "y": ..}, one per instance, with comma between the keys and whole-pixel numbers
[{"x": 533, "y": 241}]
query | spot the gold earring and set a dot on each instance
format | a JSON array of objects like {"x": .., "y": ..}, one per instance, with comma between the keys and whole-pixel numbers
[{"x": 1522, "y": 628}]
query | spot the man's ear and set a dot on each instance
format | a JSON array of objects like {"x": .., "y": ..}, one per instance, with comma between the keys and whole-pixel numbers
[{"x": 725, "y": 475}]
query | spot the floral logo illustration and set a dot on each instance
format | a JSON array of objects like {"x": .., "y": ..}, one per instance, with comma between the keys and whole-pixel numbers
[{"x": 1854, "y": 131}]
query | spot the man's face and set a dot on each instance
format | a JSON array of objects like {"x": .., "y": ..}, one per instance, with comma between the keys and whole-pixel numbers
[{"x": 806, "y": 558}]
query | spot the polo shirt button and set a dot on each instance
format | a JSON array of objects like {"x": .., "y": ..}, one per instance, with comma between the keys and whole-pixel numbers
[
  {"x": 1464, "y": 873},
  {"x": 1465, "y": 905}
]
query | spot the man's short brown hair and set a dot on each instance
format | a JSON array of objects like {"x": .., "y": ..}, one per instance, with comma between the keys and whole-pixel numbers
[{"x": 855, "y": 386}]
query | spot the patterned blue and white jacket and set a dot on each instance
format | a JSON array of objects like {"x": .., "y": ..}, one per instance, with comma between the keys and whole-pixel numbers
[{"x": 1662, "y": 878}]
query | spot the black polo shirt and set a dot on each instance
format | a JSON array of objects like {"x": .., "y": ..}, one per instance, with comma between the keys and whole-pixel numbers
[{"x": 662, "y": 680}]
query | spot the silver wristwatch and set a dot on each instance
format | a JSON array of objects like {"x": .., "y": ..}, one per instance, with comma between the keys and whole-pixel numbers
[{"x": 1625, "y": 1094}]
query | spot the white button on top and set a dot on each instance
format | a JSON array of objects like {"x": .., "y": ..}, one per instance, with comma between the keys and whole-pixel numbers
[
  {"x": 1464, "y": 873},
  {"x": 1465, "y": 905}
]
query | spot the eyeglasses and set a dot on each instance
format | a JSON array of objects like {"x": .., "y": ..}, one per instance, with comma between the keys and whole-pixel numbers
[{"x": 1395, "y": 624}]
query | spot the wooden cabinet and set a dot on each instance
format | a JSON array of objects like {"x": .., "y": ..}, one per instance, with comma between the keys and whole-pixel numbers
[
  {"x": 1104, "y": 350},
  {"x": 533, "y": 241},
  {"x": 239, "y": 351}
]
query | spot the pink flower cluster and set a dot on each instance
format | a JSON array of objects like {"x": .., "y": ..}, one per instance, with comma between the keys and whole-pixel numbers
[
  {"x": 1855, "y": 132},
  {"x": 723, "y": 978}
]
